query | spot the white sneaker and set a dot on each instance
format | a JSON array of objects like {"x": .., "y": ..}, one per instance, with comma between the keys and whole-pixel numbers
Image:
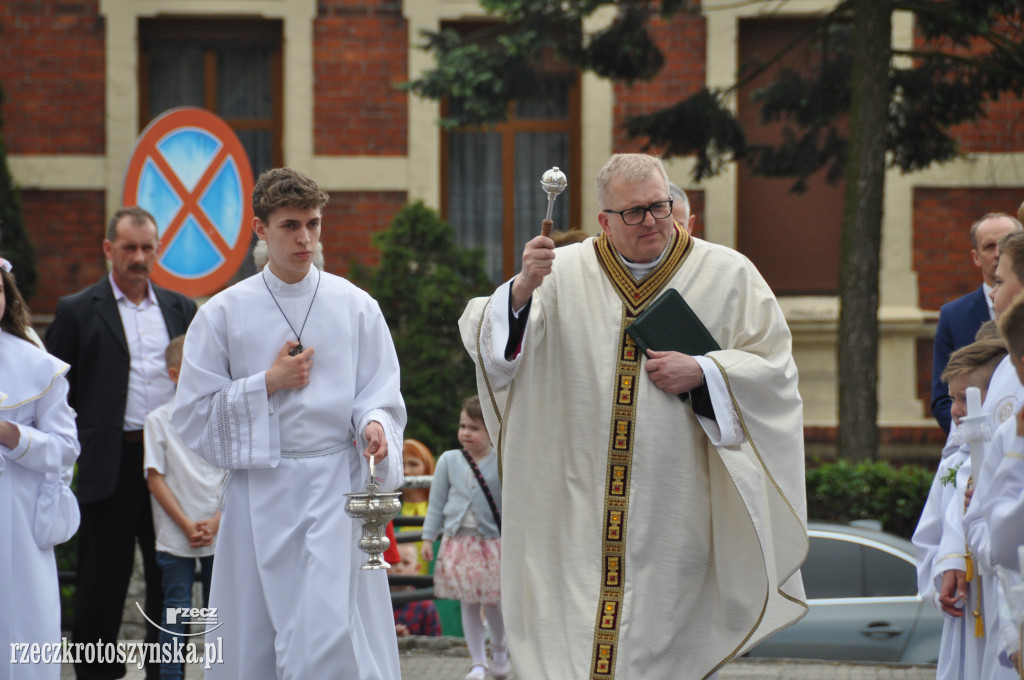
[
  {"x": 500, "y": 664},
  {"x": 477, "y": 672}
]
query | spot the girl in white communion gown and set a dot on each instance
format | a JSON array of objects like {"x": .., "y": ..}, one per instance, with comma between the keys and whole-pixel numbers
[{"x": 38, "y": 449}]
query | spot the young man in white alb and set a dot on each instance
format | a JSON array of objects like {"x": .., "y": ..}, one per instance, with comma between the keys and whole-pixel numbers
[{"x": 287, "y": 377}]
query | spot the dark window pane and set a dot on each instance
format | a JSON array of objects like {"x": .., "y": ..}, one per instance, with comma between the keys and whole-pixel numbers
[
  {"x": 833, "y": 569},
  {"x": 243, "y": 80},
  {"x": 475, "y": 201},
  {"x": 175, "y": 77},
  {"x": 257, "y": 144},
  {"x": 886, "y": 575}
]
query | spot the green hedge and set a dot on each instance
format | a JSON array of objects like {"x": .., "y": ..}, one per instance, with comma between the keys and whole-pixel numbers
[{"x": 842, "y": 491}]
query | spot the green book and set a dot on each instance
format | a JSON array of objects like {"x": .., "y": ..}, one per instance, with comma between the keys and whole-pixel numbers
[{"x": 669, "y": 324}]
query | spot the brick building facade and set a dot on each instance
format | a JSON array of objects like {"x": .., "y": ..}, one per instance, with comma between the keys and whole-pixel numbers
[{"x": 78, "y": 96}]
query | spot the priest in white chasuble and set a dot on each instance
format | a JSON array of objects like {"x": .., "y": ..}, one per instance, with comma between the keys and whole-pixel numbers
[
  {"x": 290, "y": 380},
  {"x": 644, "y": 535}
]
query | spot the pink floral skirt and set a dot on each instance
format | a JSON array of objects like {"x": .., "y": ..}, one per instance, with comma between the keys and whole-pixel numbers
[{"x": 468, "y": 568}]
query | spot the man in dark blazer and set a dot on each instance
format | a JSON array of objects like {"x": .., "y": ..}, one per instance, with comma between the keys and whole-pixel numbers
[
  {"x": 960, "y": 319},
  {"x": 113, "y": 334}
]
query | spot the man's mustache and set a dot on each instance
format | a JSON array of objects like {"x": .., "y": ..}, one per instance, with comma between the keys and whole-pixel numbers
[{"x": 140, "y": 268}]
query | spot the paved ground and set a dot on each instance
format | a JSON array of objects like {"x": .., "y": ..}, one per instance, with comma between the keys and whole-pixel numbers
[
  {"x": 423, "y": 664},
  {"x": 446, "y": 659}
]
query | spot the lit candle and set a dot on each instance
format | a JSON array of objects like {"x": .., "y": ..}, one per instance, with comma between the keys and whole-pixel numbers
[{"x": 973, "y": 402}]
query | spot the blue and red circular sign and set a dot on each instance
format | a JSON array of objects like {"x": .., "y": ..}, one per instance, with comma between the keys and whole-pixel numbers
[{"x": 190, "y": 171}]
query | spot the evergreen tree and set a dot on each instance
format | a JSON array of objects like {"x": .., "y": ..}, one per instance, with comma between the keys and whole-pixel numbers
[
  {"x": 422, "y": 285},
  {"x": 15, "y": 244},
  {"x": 899, "y": 112}
]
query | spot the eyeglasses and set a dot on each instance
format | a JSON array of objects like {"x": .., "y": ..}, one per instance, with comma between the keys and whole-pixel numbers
[{"x": 634, "y": 216}]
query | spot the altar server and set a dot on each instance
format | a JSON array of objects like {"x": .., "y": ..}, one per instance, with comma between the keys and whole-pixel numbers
[{"x": 287, "y": 377}]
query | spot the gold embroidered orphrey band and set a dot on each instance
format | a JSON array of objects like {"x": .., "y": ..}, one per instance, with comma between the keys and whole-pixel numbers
[{"x": 635, "y": 296}]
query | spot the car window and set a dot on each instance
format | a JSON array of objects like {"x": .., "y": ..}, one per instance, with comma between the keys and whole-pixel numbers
[
  {"x": 837, "y": 568},
  {"x": 833, "y": 569},
  {"x": 886, "y": 575}
]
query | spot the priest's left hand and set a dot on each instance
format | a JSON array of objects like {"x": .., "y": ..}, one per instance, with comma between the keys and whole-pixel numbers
[
  {"x": 376, "y": 442},
  {"x": 673, "y": 372}
]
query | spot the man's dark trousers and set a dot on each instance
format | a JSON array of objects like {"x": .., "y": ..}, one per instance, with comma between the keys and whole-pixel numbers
[{"x": 109, "y": 531}]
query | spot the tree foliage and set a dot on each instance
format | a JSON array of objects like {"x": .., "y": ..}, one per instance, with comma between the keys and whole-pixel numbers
[
  {"x": 15, "y": 244},
  {"x": 422, "y": 285}
]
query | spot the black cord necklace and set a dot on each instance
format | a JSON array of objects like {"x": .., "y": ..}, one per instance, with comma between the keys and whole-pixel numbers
[{"x": 298, "y": 335}]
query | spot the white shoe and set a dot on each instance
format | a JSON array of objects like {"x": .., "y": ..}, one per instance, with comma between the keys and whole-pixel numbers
[
  {"x": 500, "y": 664},
  {"x": 477, "y": 672}
]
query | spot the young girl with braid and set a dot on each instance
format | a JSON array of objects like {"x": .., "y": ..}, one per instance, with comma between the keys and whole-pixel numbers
[{"x": 465, "y": 508}]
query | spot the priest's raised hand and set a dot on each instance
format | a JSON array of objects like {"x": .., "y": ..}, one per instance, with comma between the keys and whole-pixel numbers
[
  {"x": 290, "y": 372},
  {"x": 538, "y": 257}
]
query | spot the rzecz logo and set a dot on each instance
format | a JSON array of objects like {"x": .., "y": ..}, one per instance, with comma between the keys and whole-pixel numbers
[{"x": 206, "y": 617}]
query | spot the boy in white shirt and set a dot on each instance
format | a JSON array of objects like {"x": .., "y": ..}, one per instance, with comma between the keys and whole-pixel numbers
[{"x": 185, "y": 491}]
